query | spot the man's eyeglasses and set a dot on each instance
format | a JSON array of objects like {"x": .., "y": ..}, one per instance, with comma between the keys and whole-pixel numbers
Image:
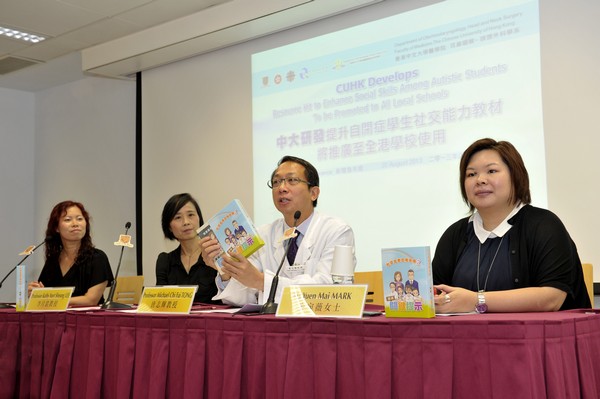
[{"x": 290, "y": 181}]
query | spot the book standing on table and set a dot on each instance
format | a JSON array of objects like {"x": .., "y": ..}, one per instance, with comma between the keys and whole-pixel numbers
[{"x": 407, "y": 282}]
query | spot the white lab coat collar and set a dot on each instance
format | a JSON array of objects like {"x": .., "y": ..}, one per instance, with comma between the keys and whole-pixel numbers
[{"x": 305, "y": 245}]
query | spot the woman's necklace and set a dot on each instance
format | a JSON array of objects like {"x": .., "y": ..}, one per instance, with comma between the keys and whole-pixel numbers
[
  {"x": 189, "y": 257},
  {"x": 491, "y": 265}
]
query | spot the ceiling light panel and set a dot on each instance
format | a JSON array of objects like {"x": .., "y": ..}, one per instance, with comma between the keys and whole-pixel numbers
[{"x": 19, "y": 35}]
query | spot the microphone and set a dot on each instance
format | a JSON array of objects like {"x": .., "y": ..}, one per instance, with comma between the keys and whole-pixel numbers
[
  {"x": 109, "y": 303},
  {"x": 270, "y": 307},
  {"x": 28, "y": 251}
]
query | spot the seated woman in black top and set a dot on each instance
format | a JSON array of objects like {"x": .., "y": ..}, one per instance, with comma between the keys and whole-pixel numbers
[
  {"x": 508, "y": 256},
  {"x": 71, "y": 259},
  {"x": 181, "y": 217}
]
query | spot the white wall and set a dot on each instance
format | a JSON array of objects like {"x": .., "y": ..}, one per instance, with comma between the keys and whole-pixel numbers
[
  {"x": 571, "y": 60},
  {"x": 179, "y": 164},
  {"x": 17, "y": 185},
  {"x": 85, "y": 151}
]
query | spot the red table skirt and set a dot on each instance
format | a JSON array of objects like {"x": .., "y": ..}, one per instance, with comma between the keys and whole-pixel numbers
[{"x": 120, "y": 355}]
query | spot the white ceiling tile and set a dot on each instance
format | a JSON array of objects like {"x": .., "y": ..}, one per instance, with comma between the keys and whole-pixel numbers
[
  {"x": 47, "y": 17},
  {"x": 108, "y": 7},
  {"x": 99, "y": 32},
  {"x": 161, "y": 11},
  {"x": 7, "y": 46}
]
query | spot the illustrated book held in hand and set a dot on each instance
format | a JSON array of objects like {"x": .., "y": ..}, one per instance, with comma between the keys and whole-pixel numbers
[
  {"x": 407, "y": 282},
  {"x": 234, "y": 230}
]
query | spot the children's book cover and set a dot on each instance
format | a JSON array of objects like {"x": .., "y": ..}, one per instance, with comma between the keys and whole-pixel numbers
[
  {"x": 234, "y": 230},
  {"x": 407, "y": 282}
]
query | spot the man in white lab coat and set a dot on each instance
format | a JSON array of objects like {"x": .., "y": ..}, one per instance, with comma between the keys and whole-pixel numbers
[{"x": 295, "y": 187}]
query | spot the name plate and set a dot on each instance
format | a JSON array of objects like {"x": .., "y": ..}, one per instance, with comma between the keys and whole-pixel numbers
[
  {"x": 49, "y": 299},
  {"x": 167, "y": 299},
  {"x": 335, "y": 300}
]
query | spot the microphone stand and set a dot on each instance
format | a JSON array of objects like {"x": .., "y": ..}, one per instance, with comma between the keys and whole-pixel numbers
[
  {"x": 6, "y": 305},
  {"x": 270, "y": 307},
  {"x": 109, "y": 303}
]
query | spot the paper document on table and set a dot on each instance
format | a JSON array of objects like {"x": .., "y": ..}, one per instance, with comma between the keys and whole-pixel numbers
[
  {"x": 455, "y": 314},
  {"x": 230, "y": 310}
]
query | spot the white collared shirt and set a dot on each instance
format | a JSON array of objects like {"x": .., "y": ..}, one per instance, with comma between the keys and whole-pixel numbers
[
  {"x": 482, "y": 234},
  {"x": 302, "y": 229}
]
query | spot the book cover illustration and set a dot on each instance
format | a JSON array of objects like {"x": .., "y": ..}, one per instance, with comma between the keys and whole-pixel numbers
[
  {"x": 407, "y": 282},
  {"x": 234, "y": 230}
]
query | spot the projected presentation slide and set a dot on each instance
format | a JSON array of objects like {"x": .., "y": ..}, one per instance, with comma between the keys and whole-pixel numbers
[{"x": 384, "y": 111}]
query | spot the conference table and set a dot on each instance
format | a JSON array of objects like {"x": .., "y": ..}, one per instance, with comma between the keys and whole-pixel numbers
[{"x": 109, "y": 354}]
